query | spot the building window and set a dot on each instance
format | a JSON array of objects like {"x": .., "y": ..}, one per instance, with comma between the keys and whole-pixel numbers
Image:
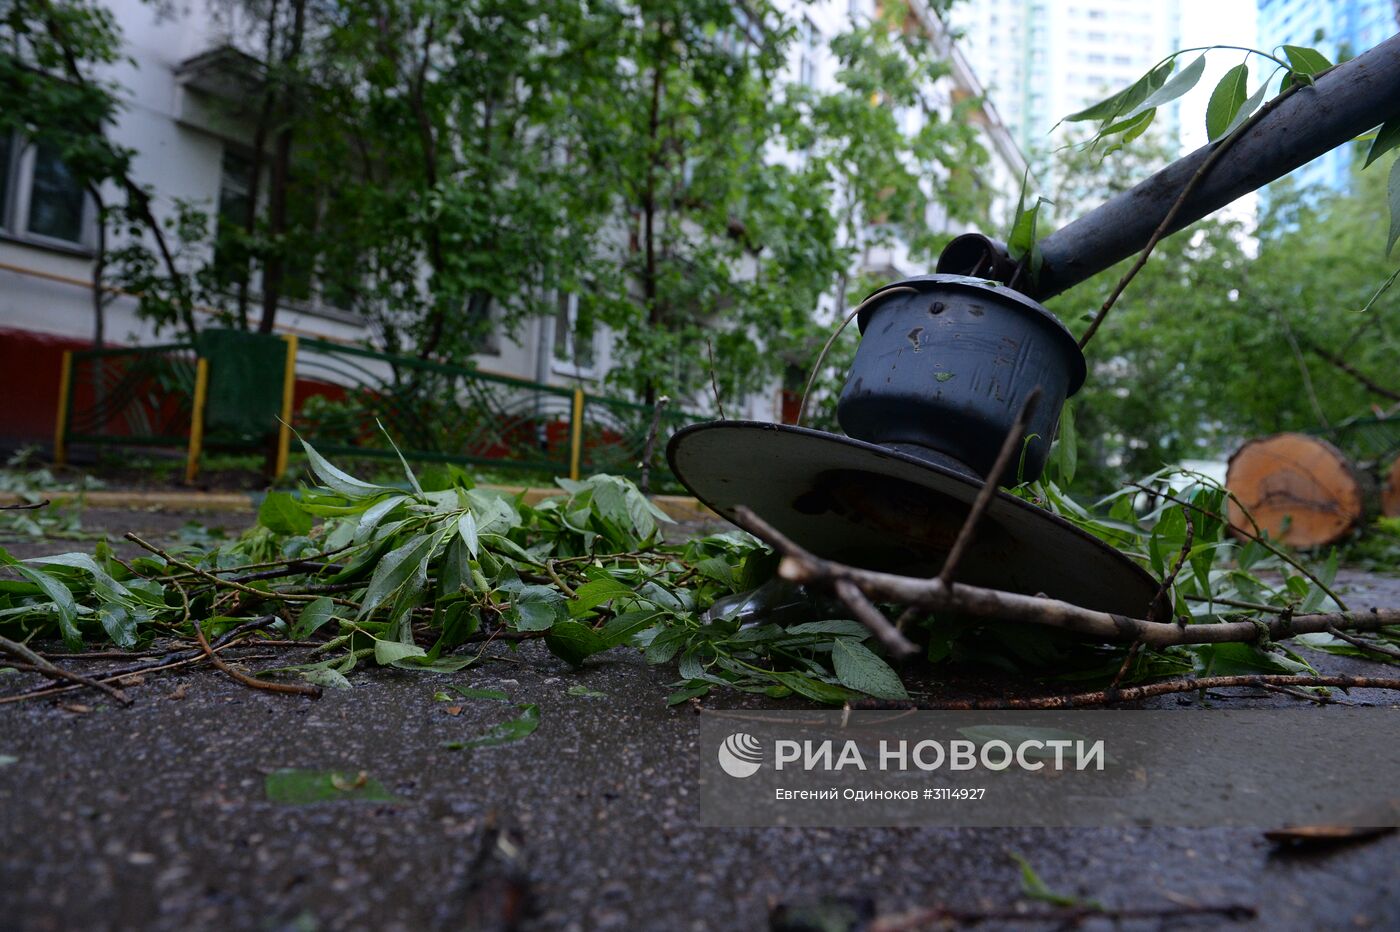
[
  {"x": 575, "y": 345},
  {"x": 40, "y": 198},
  {"x": 56, "y": 198},
  {"x": 235, "y": 185}
]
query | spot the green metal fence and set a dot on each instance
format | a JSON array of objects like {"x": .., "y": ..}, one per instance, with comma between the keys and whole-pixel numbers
[
  {"x": 141, "y": 396},
  {"x": 357, "y": 399},
  {"x": 242, "y": 391}
]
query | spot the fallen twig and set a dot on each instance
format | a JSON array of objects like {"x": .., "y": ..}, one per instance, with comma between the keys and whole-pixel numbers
[
  {"x": 1382, "y": 649},
  {"x": 865, "y": 613},
  {"x": 228, "y": 583},
  {"x": 295, "y": 689},
  {"x": 1112, "y": 696},
  {"x": 169, "y": 661},
  {"x": 25, "y": 507},
  {"x": 22, "y": 652}
]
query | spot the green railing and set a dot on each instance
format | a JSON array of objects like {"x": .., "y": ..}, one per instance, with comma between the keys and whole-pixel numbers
[
  {"x": 439, "y": 412},
  {"x": 141, "y": 396},
  {"x": 349, "y": 401}
]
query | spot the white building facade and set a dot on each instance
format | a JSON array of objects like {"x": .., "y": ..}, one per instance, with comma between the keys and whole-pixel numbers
[
  {"x": 48, "y": 227},
  {"x": 1045, "y": 59}
]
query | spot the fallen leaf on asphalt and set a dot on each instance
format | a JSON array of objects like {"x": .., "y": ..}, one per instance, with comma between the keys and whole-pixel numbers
[
  {"x": 75, "y": 707},
  {"x": 179, "y": 692},
  {"x": 1313, "y": 835},
  {"x": 308, "y": 786}
]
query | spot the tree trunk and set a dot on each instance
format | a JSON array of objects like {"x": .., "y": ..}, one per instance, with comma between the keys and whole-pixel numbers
[
  {"x": 250, "y": 216},
  {"x": 274, "y": 270},
  {"x": 649, "y": 275},
  {"x": 1302, "y": 490}
]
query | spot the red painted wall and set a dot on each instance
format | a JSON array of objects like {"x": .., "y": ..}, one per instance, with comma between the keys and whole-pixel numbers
[{"x": 29, "y": 366}]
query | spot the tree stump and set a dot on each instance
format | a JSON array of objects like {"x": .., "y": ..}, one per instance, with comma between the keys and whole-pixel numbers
[
  {"x": 1302, "y": 490},
  {"x": 1390, "y": 495}
]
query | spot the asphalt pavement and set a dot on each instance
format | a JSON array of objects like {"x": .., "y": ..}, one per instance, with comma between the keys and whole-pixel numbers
[{"x": 157, "y": 815}]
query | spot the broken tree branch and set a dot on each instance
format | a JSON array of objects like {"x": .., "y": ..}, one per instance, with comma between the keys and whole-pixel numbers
[
  {"x": 895, "y": 642},
  {"x": 21, "y": 652},
  {"x": 1133, "y": 693},
  {"x": 1014, "y": 438},
  {"x": 297, "y": 689},
  {"x": 25, "y": 507},
  {"x": 799, "y": 566},
  {"x": 1384, "y": 650},
  {"x": 1164, "y": 591}
]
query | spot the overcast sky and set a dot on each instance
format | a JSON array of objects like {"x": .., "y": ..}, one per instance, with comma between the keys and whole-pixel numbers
[
  {"x": 1213, "y": 22},
  {"x": 1216, "y": 22}
]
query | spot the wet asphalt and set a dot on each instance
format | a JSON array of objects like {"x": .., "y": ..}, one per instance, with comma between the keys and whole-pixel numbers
[{"x": 155, "y": 816}]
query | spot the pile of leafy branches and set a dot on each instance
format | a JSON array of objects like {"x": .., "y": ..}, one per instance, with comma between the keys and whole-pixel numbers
[{"x": 424, "y": 575}]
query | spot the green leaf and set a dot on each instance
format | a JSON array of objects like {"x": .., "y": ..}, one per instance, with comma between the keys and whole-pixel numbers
[
  {"x": 81, "y": 561},
  {"x": 412, "y": 479},
  {"x": 1023, "y": 230},
  {"x": 1306, "y": 61},
  {"x": 466, "y": 529},
  {"x": 504, "y": 733},
  {"x": 281, "y": 514},
  {"x": 859, "y": 668},
  {"x": 1065, "y": 454},
  {"x": 1127, "y": 99},
  {"x": 595, "y": 592},
  {"x": 691, "y": 691},
  {"x": 1247, "y": 109},
  {"x": 1035, "y": 888},
  {"x": 395, "y": 569},
  {"x": 1387, "y": 138},
  {"x": 297, "y": 787},
  {"x": 316, "y": 613},
  {"x": 1179, "y": 84},
  {"x": 119, "y": 624},
  {"x": 1239, "y": 659},
  {"x": 59, "y": 594},
  {"x": 841, "y": 627},
  {"x": 719, "y": 570},
  {"x": 341, "y": 483},
  {"x": 665, "y": 646},
  {"x": 583, "y": 692},
  {"x": 1130, "y": 130},
  {"x": 325, "y": 676},
  {"x": 573, "y": 641},
  {"x": 388, "y": 652},
  {"x": 1394, "y": 207},
  {"x": 536, "y": 608},
  {"x": 1226, "y": 100},
  {"x": 376, "y": 513},
  {"x": 804, "y": 685}
]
